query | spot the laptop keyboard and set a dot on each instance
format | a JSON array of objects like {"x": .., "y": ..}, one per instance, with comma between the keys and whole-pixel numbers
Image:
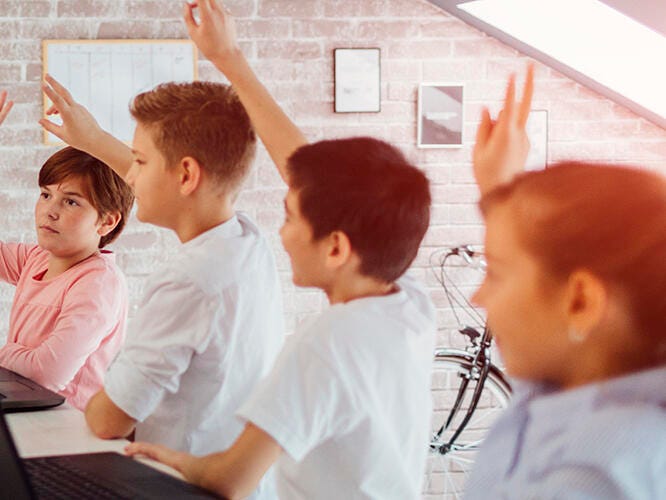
[{"x": 58, "y": 478}]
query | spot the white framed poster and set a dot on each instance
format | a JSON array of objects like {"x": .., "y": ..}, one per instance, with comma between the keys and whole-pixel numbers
[
  {"x": 440, "y": 115},
  {"x": 357, "y": 80}
]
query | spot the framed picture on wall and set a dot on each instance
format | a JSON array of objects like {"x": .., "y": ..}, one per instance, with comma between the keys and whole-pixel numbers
[
  {"x": 537, "y": 132},
  {"x": 357, "y": 80},
  {"x": 440, "y": 115}
]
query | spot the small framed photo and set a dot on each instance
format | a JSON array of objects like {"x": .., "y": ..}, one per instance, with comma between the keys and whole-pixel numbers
[
  {"x": 357, "y": 80},
  {"x": 440, "y": 115},
  {"x": 537, "y": 132}
]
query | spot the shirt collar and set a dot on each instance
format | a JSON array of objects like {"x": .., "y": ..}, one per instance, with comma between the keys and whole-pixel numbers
[{"x": 231, "y": 228}]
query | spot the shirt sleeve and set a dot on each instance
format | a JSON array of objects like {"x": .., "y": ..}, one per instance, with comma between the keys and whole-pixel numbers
[
  {"x": 172, "y": 324},
  {"x": 12, "y": 259},
  {"x": 302, "y": 402},
  {"x": 90, "y": 310}
]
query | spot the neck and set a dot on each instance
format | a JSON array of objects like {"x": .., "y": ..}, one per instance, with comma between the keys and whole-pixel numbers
[
  {"x": 198, "y": 218},
  {"x": 58, "y": 265},
  {"x": 357, "y": 287}
]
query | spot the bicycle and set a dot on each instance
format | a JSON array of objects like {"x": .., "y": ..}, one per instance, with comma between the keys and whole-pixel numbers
[{"x": 469, "y": 391}]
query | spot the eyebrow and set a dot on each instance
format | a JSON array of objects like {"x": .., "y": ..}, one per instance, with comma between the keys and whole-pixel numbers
[
  {"x": 73, "y": 193},
  {"x": 66, "y": 193},
  {"x": 135, "y": 152}
]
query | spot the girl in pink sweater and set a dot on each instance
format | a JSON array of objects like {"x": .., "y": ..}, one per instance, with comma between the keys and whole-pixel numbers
[{"x": 68, "y": 317}]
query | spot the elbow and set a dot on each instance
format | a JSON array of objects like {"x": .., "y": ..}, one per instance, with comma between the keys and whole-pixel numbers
[{"x": 101, "y": 428}]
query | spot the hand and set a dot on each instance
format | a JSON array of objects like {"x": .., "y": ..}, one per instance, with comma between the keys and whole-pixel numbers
[
  {"x": 174, "y": 459},
  {"x": 502, "y": 146},
  {"x": 5, "y": 106},
  {"x": 79, "y": 128},
  {"x": 215, "y": 34}
]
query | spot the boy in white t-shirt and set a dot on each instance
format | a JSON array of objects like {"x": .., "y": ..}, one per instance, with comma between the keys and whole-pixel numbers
[
  {"x": 211, "y": 322},
  {"x": 345, "y": 411}
]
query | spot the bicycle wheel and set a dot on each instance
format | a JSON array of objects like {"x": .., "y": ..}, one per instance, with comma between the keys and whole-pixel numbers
[{"x": 447, "y": 470}]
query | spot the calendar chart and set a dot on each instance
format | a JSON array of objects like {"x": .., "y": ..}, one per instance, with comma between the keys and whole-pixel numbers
[{"x": 104, "y": 75}]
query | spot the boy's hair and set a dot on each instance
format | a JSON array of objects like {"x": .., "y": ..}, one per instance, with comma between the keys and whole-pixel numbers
[
  {"x": 365, "y": 188},
  {"x": 607, "y": 219},
  {"x": 102, "y": 187},
  {"x": 203, "y": 120}
]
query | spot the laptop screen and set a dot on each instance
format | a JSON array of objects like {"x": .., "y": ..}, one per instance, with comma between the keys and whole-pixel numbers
[{"x": 13, "y": 481}]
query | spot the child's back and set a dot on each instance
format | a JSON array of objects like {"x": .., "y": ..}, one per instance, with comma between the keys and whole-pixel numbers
[{"x": 350, "y": 392}]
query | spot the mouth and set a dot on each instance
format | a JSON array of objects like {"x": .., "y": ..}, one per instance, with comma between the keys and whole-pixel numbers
[{"x": 48, "y": 229}]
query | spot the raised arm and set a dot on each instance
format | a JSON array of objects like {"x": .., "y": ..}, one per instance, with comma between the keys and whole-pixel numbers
[
  {"x": 80, "y": 130},
  {"x": 215, "y": 36},
  {"x": 502, "y": 146},
  {"x": 5, "y": 106},
  {"x": 232, "y": 474}
]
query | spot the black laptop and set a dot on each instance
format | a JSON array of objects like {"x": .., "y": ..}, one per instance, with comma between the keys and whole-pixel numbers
[
  {"x": 84, "y": 476},
  {"x": 18, "y": 393}
]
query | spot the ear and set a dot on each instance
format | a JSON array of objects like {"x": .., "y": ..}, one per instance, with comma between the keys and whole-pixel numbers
[
  {"x": 586, "y": 301},
  {"x": 338, "y": 250},
  {"x": 108, "y": 223},
  {"x": 189, "y": 175}
]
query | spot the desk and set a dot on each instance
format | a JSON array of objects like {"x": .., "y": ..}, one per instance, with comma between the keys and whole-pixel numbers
[{"x": 63, "y": 431}]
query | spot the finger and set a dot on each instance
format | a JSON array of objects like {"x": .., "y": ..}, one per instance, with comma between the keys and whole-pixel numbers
[
  {"x": 5, "y": 107},
  {"x": 49, "y": 126},
  {"x": 188, "y": 17},
  {"x": 485, "y": 127},
  {"x": 3, "y": 96},
  {"x": 62, "y": 91},
  {"x": 526, "y": 102},
  {"x": 52, "y": 111},
  {"x": 510, "y": 98},
  {"x": 56, "y": 99},
  {"x": 204, "y": 10}
]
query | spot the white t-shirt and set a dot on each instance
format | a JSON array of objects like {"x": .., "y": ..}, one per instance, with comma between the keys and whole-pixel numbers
[
  {"x": 207, "y": 330},
  {"x": 349, "y": 400}
]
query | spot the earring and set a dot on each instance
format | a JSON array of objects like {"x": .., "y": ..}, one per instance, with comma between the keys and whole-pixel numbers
[{"x": 575, "y": 335}]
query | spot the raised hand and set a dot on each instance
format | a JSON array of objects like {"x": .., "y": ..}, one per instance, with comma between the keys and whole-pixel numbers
[
  {"x": 5, "y": 106},
  {"x": 215, "y": 33},
  {"x": 79, "y": 128},
  {"x": 502, "y": 146}
]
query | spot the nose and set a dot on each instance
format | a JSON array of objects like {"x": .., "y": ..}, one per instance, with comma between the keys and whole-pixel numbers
[
  {"x": 130, "y": 176},
  {"x": 477, "y": 297}
]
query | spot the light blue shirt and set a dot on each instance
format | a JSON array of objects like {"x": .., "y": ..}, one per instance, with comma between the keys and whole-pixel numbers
[{"x": 599, "y": 441}]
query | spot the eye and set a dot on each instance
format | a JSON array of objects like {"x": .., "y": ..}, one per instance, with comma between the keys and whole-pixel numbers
[
  {"x": 44, "y": 195},
  {"x": 71, "y": 202}
]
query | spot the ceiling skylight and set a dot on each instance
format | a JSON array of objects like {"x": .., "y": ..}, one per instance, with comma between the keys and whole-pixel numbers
[{"x": 589, "y": 37}]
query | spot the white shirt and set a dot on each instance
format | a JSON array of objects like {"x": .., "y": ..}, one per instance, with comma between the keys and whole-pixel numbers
[
  {"x": 208, "y": 328},
  {"x": 349, "y": 400}
]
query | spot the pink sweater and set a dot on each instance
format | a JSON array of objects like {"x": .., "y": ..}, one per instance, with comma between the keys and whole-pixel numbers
[{"x": 64, "y": 332}]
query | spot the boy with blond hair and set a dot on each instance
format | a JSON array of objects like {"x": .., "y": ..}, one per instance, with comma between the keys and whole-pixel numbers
[{"x": 210, "y": 323}]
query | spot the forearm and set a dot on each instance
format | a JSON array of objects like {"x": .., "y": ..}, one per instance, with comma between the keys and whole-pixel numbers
[
  {"x": 40, "y": 364},
  {"x": 278, "y": 133},
  {"x": 115, "y": 153}
]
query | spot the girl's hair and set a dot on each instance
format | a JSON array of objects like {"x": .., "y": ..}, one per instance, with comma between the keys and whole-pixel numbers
[
  {"x": 607, "y": 219},
  {"x": 102, "y": 187}
]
